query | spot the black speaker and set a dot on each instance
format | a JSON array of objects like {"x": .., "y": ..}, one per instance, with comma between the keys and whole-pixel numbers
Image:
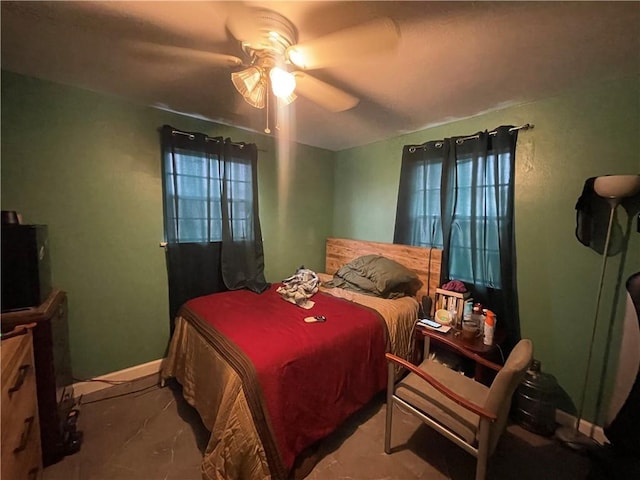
[{"x": 26, "y": 266}]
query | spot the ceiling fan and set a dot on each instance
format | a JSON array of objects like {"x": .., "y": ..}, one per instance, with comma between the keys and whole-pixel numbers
[{"x": 274, "y": 61}]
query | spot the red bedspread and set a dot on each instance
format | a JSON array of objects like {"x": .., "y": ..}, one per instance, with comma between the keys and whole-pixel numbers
[{"x": 312, "y": 375}]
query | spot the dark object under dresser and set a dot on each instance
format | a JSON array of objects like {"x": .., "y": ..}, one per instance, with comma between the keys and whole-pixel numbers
[{"x": 53, "y": 373}]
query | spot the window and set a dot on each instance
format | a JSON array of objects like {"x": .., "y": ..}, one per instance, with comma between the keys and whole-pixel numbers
[
  {"x": 425, "y": 204},
  {"x": 211, "y": 222},
  {"x": 193, "y": 192},
  {"x": 475, "y": 228},
  {"x": 458, "y": 194},
  {"x": 474, "y": 244},
  {"x": 476, "y": 190}
]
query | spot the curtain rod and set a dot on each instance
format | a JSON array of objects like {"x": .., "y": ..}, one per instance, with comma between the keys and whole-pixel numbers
[
  {"x": 526, "y": 126},
  {"x": 439, "y": 143},
  {"x": 206, "y": 137}
]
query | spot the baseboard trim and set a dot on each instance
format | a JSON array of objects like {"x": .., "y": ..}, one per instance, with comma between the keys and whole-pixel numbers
[
  {"x": 127, "y": 375},
  {"x": 567, "y": 420}
]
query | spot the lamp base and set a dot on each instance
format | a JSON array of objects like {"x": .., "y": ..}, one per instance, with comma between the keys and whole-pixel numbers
[{"x": 575, "y": 439}]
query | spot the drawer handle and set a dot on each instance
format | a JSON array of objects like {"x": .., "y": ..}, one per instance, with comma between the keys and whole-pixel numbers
[
  {"x": 26, "y": 433},
  {"x": 33, "y": 473},
  {"x": 22, "y": 373}
]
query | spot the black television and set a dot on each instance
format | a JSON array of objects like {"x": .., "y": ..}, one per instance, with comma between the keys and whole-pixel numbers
[{"x": 26, "y": 266}]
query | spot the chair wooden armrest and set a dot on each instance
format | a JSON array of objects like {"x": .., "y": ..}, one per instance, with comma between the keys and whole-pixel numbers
[{"x": 478, "y": 410}]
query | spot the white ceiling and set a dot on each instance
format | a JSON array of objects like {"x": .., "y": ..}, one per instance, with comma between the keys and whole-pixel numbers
[{"x": 454, "y": 59}]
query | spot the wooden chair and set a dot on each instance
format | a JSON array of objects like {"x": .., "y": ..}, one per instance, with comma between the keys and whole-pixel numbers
[{"x": 468, "y": 413}]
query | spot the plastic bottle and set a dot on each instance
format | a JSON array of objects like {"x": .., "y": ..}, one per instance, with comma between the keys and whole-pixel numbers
[
  {"x": 453, "y": 311},
  {"x": 477, "y": 316},
  {"x": 489, "y": 327},
  {"x": 467, "y": 309},
  {"x": 466, "y": 314}
]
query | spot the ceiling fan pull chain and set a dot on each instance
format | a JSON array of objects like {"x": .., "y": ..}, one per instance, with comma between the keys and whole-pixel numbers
[{"x": 267, "y": 130}]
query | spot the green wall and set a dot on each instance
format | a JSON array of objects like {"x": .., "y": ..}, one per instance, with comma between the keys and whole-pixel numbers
[
  {"x": 580, "y": 134},
  {"x": 88, "y": 166}
]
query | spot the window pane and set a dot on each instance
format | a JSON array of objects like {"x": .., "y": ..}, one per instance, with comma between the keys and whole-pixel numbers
[
  {"x": 425, "y": 201},
  {"x": 193, "y": 196}
]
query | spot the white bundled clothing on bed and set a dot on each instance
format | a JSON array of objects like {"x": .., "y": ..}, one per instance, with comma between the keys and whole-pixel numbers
[{"x": 300, "y": 287}]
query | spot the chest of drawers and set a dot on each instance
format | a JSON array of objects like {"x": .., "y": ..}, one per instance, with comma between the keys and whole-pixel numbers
[
  {"x": 53, "y": 369},
  {"x": 20, "y": 450}
]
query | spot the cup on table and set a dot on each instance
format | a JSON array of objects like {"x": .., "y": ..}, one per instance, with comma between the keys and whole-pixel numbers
[{"x": 470, "y": 329}]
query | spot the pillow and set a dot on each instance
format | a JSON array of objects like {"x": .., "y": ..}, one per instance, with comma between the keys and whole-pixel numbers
[
  {"x": 360, "y": 286},
  {"x": 381, "y": 276}
]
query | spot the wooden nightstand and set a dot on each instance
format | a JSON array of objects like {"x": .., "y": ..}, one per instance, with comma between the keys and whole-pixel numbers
[
  {"x": 485, "y": 357},
  {"x": 21, "y": 449}
]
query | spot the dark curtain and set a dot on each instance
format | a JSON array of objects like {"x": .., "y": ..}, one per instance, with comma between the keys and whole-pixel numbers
[
  {"x": 193, "y": 270},
  {"x": 458, "y": 194},
  {"x": 212, "y": 228},
  {"x": 242, "y": 251}
]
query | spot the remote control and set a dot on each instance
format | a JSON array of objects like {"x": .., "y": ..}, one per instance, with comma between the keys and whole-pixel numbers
[{"x": 430, "y": 323}]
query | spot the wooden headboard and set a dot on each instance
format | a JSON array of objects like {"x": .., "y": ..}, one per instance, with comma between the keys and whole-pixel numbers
[{"x": 422, "y": 260}]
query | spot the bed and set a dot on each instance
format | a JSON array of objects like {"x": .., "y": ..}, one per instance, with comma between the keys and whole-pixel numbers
[{"x": 269, "y": 386}]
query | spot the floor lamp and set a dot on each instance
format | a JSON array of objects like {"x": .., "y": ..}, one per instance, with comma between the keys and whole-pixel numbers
[{"x": 614, "y": 188}]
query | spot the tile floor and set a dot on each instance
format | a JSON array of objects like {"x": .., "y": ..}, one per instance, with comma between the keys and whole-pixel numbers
[{"x": 154, "y": 434}]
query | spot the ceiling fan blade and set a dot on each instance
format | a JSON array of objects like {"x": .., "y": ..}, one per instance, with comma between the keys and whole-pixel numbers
[
  {"x": 345, "y": 45},
  {"x": 243, "y": 23},
  {"x": 255, "y": 26},
  {"x": 212, "y": 58},
  {"x": 327, "y": 96}
]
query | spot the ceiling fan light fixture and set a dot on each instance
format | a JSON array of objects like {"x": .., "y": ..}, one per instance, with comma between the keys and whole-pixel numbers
[
  {"x": 297, "y": 56},
  {"x": 247, "y": 80},
  {"x": 257, "y": 97},
  {"x": 283, "y": 83},
  {"x": 270, "y": 43}
]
